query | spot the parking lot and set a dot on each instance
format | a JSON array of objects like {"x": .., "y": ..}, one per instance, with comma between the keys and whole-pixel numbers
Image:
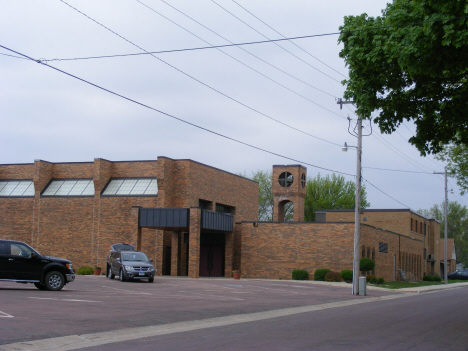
[{"x": 94, "y": 304}]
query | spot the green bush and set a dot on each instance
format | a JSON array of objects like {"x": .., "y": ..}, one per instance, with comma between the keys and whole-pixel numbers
[
  {"x": 300, "y": 274},
  {"x": 371, "y": 278},
  {"x": 85, "y": 270},
  {"x": 319, "y": 274},
  {"x": 380, "y": 281},
  {"x": 428, "y": 278},
  {"x": 333, "y": 277},
  {"x": 366, "y": 264},
  {"x": 347, "y": 275},
  {"x": 436, "y": 278}
]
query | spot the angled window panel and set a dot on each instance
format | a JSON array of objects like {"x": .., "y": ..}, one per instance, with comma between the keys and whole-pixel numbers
[
  {"x": 9, "y": 188},
  {"x": 2, "y": 185},
  {"x": 29, "y": 191},
  {"x": 65, "y": 188},
  {"x": 89, "y": 190},
  {"x": 152, "y": 188},
  {"x": 126, "y": 187},
  {"x": 53, "y": 187},
  {"x": 20, "y": 189},
  {"x": 140, "y": 186},
  {"x": 113, "y": 187},
  {"x": 78, "y": 188}
]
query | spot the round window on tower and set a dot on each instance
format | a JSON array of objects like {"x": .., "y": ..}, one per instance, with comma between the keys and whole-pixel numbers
[
  {"x": 286, "y": 179},
  {"x": 303, "y": 180}
]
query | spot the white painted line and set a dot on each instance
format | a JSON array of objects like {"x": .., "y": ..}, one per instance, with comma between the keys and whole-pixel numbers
[
  {"x": 5, "y": 315},
  {"x": 128, "y": 291},
  {"x": 50, "y": 298},
  {"x": 74, "y": 342}
]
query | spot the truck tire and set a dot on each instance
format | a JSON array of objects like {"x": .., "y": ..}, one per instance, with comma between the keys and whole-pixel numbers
[{"x": 54, "y": 281}]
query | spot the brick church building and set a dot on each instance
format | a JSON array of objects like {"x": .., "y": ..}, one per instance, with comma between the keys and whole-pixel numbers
[{"x": 196, "y": 220}]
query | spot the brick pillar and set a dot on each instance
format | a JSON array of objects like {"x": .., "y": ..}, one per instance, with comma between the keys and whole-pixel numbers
[
  {"x": 229, "y": 255},
  {"x": 158, "y": 261},
  {"x": 175, "y": 254},
  {"x": 194, "y": 243}
]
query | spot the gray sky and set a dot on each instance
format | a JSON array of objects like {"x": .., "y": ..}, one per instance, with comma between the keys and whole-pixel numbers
[{"x": 236, "y": 91}]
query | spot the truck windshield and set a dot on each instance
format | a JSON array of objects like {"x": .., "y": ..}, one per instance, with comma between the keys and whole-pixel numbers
[{"x": 134, "y": 256}]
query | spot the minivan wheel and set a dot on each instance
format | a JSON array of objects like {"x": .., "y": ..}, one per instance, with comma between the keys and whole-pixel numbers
[
  {"x": 111, "y": 274},
  {"x": 54, "y": 281},
  {"x": 150, "y": 280},
  {"x": 121, "y": 276}
]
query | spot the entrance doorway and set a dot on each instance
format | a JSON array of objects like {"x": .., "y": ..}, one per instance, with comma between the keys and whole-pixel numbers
[{"x": 212, "y": 251}]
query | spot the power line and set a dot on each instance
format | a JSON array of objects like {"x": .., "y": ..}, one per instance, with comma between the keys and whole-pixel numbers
[
  {"x": 174, "y": 117},
  {"x": 385, "y": 193},
  {"x": 244, "y": 43},
  {"x": 199, "y": 81},
  {"x": 248, "y": 52},
  {"x": 308, "y": 64},
  {"x": 308, "y": 53},
  {"x": 397, "y": 170}
]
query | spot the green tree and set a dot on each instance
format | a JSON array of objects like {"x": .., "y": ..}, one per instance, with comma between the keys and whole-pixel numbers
[
  {"x": 411, "y": 63},
  {"x": 456, "y": 157},
  {"x": 331, "y": 192},
  {"x": 265, "y": 195},
  {"x": 457, "y": 226}
]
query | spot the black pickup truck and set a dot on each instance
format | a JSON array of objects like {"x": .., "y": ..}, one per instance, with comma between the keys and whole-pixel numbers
[{"x": 20, "y": 263}]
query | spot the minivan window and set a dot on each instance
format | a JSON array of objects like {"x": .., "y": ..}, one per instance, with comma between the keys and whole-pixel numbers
[{"x": 134, "y": 256}]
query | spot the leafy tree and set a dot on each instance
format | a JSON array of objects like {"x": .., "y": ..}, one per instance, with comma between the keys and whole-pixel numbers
[
  {"x": 456, "y": 157},
  {"x": 331, "y": 192},
  {"x": 457, "y": 226},
  {"x": 411, "y": 63}
]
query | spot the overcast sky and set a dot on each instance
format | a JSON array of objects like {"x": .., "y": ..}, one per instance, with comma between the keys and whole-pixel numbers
[{"x": 246, "y": 93}]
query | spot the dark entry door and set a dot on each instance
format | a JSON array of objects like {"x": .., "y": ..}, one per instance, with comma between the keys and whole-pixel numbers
[{"x": 211, "y": 260}]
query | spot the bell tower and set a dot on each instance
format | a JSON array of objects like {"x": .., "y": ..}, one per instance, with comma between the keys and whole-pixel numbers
[{"x": 289, "y": 185}]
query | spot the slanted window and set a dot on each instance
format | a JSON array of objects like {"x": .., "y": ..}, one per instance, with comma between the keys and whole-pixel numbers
[
  {"x": 16, "y": 188},
  {"x": 70, "y": 187},
  {"x": 131, "y": 187}
]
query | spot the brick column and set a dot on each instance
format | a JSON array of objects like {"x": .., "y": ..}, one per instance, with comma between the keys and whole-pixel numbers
[
  {"x": 175, "y": 254},
  {"x": 194, "y": 243},
  {"x": 158, "y": 261},
  {"x": 229, "y": 254}
]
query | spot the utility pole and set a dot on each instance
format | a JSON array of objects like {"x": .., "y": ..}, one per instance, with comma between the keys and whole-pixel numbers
[
  {"x": 357, "y": 207},
  {"x": 446, "y": 226}
]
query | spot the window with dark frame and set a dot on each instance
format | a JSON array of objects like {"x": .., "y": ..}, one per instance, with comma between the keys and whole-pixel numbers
[
  {"x": 286, "y": 179},
  {"x": 383, "y": 247}
]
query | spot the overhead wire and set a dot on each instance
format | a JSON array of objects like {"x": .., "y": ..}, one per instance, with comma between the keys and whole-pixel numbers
[
  {"x": 292, "y": 42},
  {"x": 199, "y": 81},
  {"x": 297, "y": 57},
  {"x": 248, "y": 52},
  {"x": 190, "y": 123},
  {"x": 172, "y": 116}
]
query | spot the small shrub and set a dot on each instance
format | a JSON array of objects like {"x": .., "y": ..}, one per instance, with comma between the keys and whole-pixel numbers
[
  {"x": 347, "y": 275},
  {"x": 428, "y": 278},
  {"x": 436, "y": 278},
  {"x": 300, "y": 274},
  {"x": 380, "y": 281},
  {"x": 319, "y": 274},
  {"x": 366, "y": 264},
  {"x": 333, "y": 277},
  {"x": 85, "y": 270},
  {"x": 370, "y": 278}
]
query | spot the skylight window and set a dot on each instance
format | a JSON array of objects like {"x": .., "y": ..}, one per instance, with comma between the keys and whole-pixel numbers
[
  {"x": 16, "y": 188},
  {"x": 129, "y": 187},
  {"x": 70, "y": 187}
]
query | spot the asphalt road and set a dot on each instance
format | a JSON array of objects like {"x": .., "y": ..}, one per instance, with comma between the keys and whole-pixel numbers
[{"x": 212, "y": 314}]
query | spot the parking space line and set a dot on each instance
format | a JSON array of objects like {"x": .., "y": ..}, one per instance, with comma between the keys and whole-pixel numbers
[
  {"x": 128, "y": 291},
  {"x": 50, "y": 298},
  {"x": 5, "y": 315}
]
